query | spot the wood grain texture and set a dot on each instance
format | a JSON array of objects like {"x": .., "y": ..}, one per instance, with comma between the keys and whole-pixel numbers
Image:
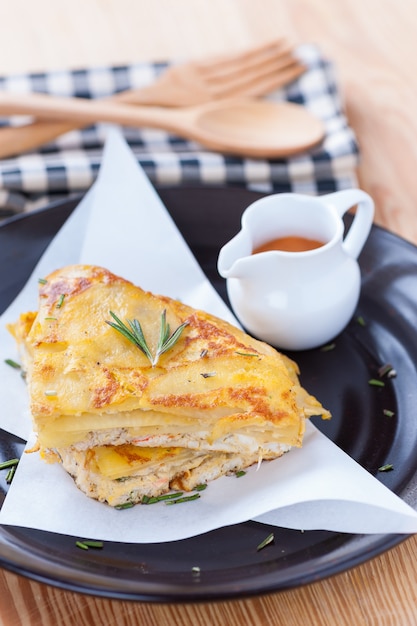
[{"x": 373, "y": 44}]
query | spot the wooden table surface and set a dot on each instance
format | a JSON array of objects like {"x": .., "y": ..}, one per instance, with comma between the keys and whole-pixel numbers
[{"x": 373, "y": 44}]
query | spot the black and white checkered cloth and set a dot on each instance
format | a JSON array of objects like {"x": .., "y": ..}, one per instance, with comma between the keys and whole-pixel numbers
[{"x": 70, "y": 164}]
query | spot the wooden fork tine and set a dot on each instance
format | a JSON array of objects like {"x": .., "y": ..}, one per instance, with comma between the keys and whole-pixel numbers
[
  {"x": 250, "y": 73},
  {"x": 241, "y": 61},
  {"x": 257, "y": 83},
  {"x": 269, "y": 83}
]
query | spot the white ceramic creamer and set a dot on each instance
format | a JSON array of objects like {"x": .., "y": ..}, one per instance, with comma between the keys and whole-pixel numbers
[{"x": 297, "y": 300}]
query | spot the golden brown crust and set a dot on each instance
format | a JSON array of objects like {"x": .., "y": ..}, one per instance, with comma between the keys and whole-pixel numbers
[{"x": 217, "y": 390}]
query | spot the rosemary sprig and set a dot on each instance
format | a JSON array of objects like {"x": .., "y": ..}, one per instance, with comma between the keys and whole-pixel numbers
[{"x": 134, "y": 333}]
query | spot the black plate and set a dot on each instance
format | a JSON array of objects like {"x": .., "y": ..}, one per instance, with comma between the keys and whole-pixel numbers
[{"x": 230, "y": 566}]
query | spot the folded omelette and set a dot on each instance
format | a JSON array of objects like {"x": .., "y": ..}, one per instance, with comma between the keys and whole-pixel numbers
[{"x": 138, "y": 394}]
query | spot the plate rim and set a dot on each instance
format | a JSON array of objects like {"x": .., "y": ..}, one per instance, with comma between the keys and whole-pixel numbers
[{"x": 375, "y": 544}]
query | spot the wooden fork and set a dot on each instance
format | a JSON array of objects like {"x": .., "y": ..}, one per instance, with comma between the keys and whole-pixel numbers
[{"x": 253, "y": 73}]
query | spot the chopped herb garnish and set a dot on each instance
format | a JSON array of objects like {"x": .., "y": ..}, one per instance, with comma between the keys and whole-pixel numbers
[
  {"x": 240, "y": 473},
  {"x": 388, "y": 413},
  {"x": 268, "y": 540},
  {"x": 13, "y": 364},
  {"x": 133, "y": 332},
  {"x": 9, "y": 463},
  {"x": 195, "y": 496},
  {"x": 328, "y": 347},
  {"x": 87, "y": 544},
  {"x": 361, "y": 321},
  {"x": 125, "y": 505},
  {"x": 386, "y": 468},
  {"x": 384, "y": 370},
  {"x": 60, "y": 301},
  {"x": 42, "y": 281},
  {"x": 50, "y": 318},
  {"x": 247, "y": 353},
  {"x": 10, "y": 474},
  {"x": 200, "y": 487},
  {"x": 208, "y": 374},
  {"x": 374, "y": 382},
  {"x": 166, "y": 496}
]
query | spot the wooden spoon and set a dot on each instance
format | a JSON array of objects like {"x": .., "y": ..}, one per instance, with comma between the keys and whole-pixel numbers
[{"x": 251, "y": 128}]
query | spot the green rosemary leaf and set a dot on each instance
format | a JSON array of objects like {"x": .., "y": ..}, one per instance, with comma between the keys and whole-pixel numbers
[
  {"x": 163, "y": 332},
  {"x": 10, "y": 474},
  {"x": 386, "y": 468},
  {"x": 165, "y": 496},
  {"x": 374, "y": 382},
  {"x": 9, "y": 463},
  {"x": 140, "y": 339},
  {"x": 388, "y": 413},
  {"x": 328, "y": 347},
  {"x": 13, "y": 364},
  {"x": 240, "y": 473},
  {"x": 126, "y": 505},
  {"x": 122, "y": 328},
  {"x": 169, "y": 341},
  {"x": 42, "y": 281},
  {"x": 384, "y": 370},
  {"x": 195, "y": 496},
  {"x": 269, "y": 539},
  {"x": 60, "y": 301},
  {"x": 361, "y": 320}
]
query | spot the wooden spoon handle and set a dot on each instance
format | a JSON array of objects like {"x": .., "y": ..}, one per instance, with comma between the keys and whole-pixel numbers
[
  {"x": 18, "y": 139},
  {"x": 80, "y": 110},
  {"x": 15, "y": 140}
]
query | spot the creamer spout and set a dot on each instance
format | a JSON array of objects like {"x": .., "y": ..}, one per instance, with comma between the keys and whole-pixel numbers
[{"x": 234, "y": 255}]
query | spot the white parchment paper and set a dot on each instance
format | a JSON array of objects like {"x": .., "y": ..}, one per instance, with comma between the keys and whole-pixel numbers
[{"x": 122, "y": 225}]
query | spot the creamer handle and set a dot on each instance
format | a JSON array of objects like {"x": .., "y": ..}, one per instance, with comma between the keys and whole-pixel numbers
[{"x": 358, "y": 232}]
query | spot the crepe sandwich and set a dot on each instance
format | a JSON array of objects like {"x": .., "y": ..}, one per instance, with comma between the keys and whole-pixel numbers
[{"x": 128, "y": 420}]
